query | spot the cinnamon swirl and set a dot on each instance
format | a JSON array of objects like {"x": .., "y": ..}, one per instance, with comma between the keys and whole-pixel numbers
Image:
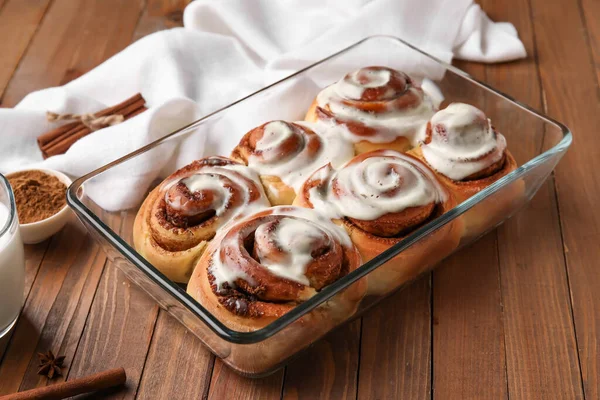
[
  {"x": 181, "y": 215},
  {"x": 380, "y": 197},
  {"x": 286, "y": 153},
  {"x": 379, "y": 108}
]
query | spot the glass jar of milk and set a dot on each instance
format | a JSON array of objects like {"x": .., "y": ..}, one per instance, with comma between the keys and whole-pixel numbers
[{"x": 12, "y": 260}]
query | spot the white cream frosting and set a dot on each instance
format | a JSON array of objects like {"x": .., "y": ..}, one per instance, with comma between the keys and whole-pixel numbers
[
  {"x": 222, "y": 272},
  {"x": 353, "y": 88},
  {"x": 207, "y": 178},
  {"x": 463, "y": 142},
  {"x": 294, "y": 170},
  {"x": 410, "y": 122},
  {"x": 294, "y": 235},
  {"x": 275, "y": 133},
  {"x": 363, "y": 187},
  {"x": 295, "y": 238}
]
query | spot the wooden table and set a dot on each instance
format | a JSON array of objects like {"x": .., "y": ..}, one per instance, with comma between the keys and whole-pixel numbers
[{"x": 517, "y": 314}]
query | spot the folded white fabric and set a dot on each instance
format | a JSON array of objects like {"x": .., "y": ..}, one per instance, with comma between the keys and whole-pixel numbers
[{"x": 229, "y": 49}]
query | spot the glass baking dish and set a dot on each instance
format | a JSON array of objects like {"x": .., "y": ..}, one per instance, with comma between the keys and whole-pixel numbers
[{"x": 536, "y": 141}]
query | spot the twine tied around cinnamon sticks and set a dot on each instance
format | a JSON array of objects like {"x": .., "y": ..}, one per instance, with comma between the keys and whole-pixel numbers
[
  {"x": 59, "y": 140},
  {"x": 90, "y": 120}
]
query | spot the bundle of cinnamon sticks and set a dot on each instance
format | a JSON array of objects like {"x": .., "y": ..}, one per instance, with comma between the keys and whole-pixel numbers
[{"x": 59, "y": 140}]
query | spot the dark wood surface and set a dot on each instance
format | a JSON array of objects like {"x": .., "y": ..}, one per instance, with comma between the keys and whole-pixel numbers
[{"x": 516, "y": 314}]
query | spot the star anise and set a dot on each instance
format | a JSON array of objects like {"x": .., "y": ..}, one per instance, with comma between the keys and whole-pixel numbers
[{"x": 50, "y": 365}]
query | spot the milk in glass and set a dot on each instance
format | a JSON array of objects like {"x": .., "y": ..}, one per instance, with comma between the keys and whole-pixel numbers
[{"x": 12, "y": 272}]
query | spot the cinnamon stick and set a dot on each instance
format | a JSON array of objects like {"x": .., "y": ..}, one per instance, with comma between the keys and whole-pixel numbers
[
  {"x": 137, "y": 98},
  {"x": 92, "y": 383},
  {"x": 53, "y": 134},
  {"x": 48, "y": 137},
  {"x": 80, "y": 130},
  {"x": 136, "y": 112},
  {"x": 64, "y": 143},
  {"x": 62, "y": 138}
]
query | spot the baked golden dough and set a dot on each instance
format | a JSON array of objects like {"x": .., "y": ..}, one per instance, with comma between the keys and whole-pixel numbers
[{"x": 175, "y": 222}]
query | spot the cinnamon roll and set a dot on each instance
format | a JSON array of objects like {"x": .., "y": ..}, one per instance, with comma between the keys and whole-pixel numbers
[
  {"x": 468, "y": 154},
  {"x": 180, "y": 216},
  {"x": 262, "y": 266},
  {"x": 380, "y": 197},
  {"x": 379, "y": 108},
  {"x": 286, "y": 153}
]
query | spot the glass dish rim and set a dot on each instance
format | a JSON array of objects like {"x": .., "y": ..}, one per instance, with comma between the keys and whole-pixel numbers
[
  {"x": 300, "y": 310},
  {"x": 13, "y": 206}
]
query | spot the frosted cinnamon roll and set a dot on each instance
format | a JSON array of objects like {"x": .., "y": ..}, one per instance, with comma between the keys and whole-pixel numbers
[
  {"x": 181, "y": 215},
  {"x": 467, "y": 153},
  {"x": 380, "y": 197},
  {"x": 262, "y": 266},
  {"x": 286, "y": 153},
  {"x": 379, "y": 107}
]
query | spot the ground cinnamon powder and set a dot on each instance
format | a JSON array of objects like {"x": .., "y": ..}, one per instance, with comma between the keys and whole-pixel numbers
[{"x": 37, "y": 194}]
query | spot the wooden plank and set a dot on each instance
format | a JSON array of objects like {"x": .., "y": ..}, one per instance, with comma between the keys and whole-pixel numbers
[
  {"x": 586, "y": 314},
  {"x": 34, "y": 254},
  {"x": 395, "y": 357},
  {"x": 178, "y": 364},
  {"x": 56, "y": 290},
  {"x": 63, "y": 326},
  {"x": 591, "y": 13},
  {"x": 226, "y": 384},
  {"x": 18, "y": 21},
  {"x": 541, "y": 352},
  {"x": 116, "y": 20},
  {"x": 118, "y": 329},
  {"x": 72, "y": 38},
  {"x": 468, "y": 333},
  {"x": 570, "y": 82},
  {"x": 329, "y": 369},
  {"x": 159, "y": 15},
  {"x": 540, "y": 343}
]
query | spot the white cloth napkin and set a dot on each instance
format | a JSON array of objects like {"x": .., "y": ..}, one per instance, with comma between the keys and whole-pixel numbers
[{"x": 227, "y": 50}]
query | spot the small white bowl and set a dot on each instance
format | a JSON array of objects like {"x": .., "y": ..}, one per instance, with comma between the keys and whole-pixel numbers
[{"x": 39, "y": 231}]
